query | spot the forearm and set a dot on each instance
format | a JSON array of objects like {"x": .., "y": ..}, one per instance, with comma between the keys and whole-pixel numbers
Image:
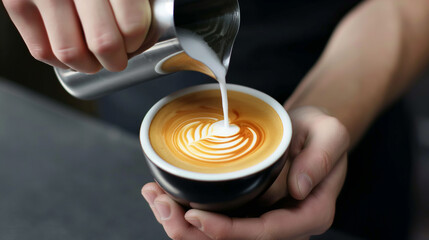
[{"x": 370, "y": 60}]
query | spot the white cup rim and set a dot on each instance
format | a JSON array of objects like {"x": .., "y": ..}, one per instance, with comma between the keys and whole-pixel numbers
[{"x": 164, "y": 165}]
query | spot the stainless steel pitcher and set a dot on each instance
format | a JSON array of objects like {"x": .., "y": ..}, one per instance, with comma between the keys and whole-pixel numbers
[{"x": 215, "y": 21}]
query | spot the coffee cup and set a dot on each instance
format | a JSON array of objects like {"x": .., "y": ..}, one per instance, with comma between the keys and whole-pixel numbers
[{"x": 228, "y": 179}]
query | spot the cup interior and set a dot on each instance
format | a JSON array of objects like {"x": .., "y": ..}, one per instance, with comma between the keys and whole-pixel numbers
[{"x": 159, "y": 162}]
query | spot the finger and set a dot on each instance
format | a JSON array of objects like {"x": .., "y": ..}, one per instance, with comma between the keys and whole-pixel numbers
[
  {"x": 326, "y": 142},
  {"x": 315, "y": 214},
  {"x": 311, "y": 216},
  {"x": 102, "y": 35},
  {"x": 133, "y": 18},
  {"x": 65, "y": 35},
  {"x": 150, "y": 192},
  {"x": 217, "y": 226},
  {"x": 333, "y": 183},
  {"x": 172, "y": 219},
  {"x": 29, "y": 23}
]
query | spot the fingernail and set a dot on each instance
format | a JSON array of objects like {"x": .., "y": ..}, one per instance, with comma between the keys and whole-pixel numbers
[
  {"x": 304, "y": 184},
  {"x": 163, "y": 209},
  {"x": 194, "y": 221},
  {"x": 149, "y": 196}
]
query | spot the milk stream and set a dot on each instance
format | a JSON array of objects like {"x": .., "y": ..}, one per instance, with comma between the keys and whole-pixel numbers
[{"x": 202, "y": 52}]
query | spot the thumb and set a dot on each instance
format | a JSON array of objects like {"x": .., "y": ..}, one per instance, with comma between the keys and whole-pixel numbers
[{"x": 327, "y": 141}]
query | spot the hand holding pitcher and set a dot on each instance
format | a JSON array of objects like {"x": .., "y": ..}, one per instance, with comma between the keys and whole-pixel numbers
[{"x": 82, "y": 35}]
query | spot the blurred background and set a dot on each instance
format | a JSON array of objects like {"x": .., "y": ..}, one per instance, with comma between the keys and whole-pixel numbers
[{"x": 24, "y": 79}]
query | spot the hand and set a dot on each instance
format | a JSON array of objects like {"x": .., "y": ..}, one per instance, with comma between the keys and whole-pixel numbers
[
  {"x": 316, "y": 175},
  {"x": 80, "y": 34}
]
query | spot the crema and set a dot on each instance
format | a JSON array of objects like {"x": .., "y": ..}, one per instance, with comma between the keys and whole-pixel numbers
[{"x": 189, "y": 132}]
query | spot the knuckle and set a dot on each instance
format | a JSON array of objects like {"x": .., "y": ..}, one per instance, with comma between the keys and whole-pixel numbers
[
  {"x": 68, "y": 54},
  {"x": 133, "y": 29},
  {"x": 297, "y": 144},
  {"x": 332, "y": 121},
  {"x": 335, "y": 122},
  {"x": 105, "y": 43},
  {"x": 340, "y": 129},
  {"x": 344, "y": 134},
  {"x": 176, "y": 235},
  {"x": 264, "y": 234},
  {"x": 325, "y": 161},
  {"x": 40, "y": 53}
]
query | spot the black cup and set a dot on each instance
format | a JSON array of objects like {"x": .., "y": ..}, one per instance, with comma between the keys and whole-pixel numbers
[{"x": 223, "y": 191}]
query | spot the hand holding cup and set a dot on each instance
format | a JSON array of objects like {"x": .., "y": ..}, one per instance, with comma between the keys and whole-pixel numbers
[
  {"x": 318, "y": 152},
  {"x": 206, "y": 169}
]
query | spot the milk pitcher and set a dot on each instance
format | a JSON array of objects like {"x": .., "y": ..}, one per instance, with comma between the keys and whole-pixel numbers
[{"x": 174, "y": 22}]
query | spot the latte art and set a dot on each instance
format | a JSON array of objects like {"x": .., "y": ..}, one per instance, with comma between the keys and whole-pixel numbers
[
  {"x": 207, "y": 140},
  {"x": 190, "y": 133}
]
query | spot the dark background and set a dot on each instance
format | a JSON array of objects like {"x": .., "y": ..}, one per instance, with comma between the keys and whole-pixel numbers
[{"x": 19, "y": 67}]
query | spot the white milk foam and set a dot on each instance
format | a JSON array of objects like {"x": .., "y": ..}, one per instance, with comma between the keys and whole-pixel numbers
[
  {"x": 213, "y": 142},
  {"x": 202, "y": 52},
  {"x": 220, "y": 130}
]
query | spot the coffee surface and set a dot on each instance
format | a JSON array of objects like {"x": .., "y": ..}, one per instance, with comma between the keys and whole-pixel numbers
[{"x": 189, "y": 132}]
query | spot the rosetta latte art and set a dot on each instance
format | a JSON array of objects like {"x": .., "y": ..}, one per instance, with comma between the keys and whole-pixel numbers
[
  {"x": 201, "y": 140},
  {"x": 190, "y": 133}
]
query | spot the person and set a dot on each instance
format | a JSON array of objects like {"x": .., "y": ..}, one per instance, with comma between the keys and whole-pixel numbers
[{"x": 370, "y": 59}]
